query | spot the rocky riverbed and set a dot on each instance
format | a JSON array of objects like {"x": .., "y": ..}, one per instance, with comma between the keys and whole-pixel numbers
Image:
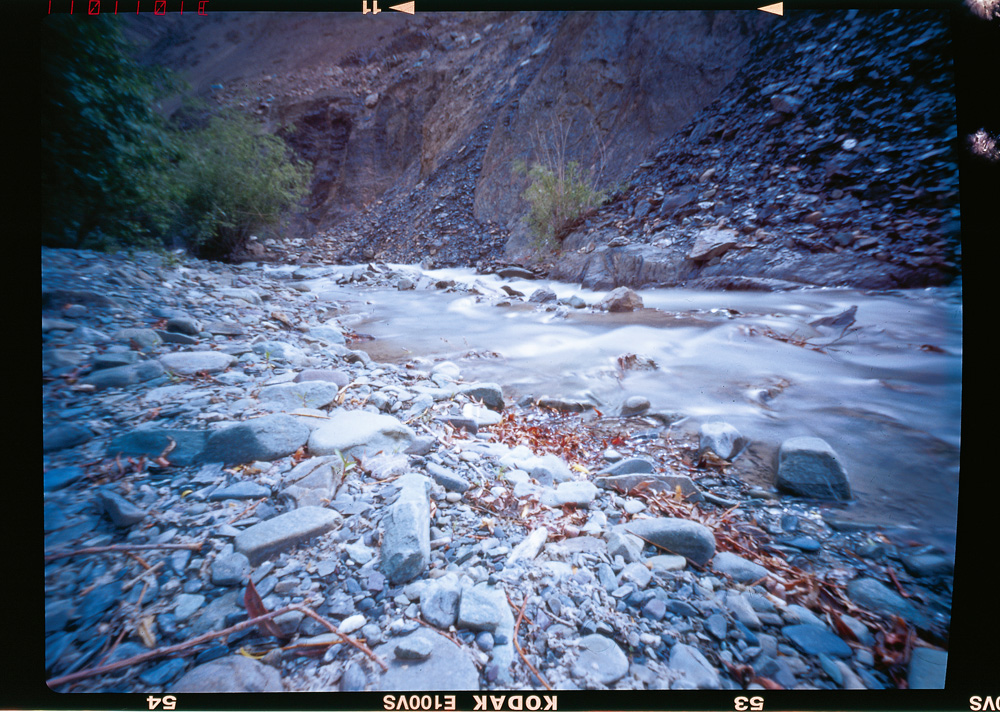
[{"x": 207, "y": 427}]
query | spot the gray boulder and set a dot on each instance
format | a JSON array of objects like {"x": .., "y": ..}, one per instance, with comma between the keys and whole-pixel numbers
[
  {"x": 188, "y": 363},
  {"x": 308, "y": 394},
  {"x": 267, "y": 438},
  {"x": 600, "y": 659},
  {"x": 406, "y": 542},
  {"x": 621, "y": 299},
  {"x": 809, "y": 467},
  {"x": 188, "y": 444},
  {"x": 360, "y": 433},
  {"x": 446, "y": 667},
  {"x": 721, "y": 438},
  {"x": 124, "y": 375},
  {"x": 738, "y": 568},
  {"x": 285, "y": 531},
  {"x": 675, "y": 536}
]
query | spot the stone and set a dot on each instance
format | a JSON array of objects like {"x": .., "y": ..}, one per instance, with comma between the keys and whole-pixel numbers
[
  {"x": 163, "y": 672},
  {"x": 439, "y": 601},
  {"x": 446, "y": 667},
  {"x": 876, "y": 596},
  {"x": 528, "y": 548},
  {"x": 786, "y": 104},
  {"x": 629, "y": 466},
  {"x": 815, "y": 640},
  {"x": 446, "y": 478},
  {"x": 481, "y": 607},
  {"x": 578, "y": 493},
  {"x": 67, "y": 435},
  {"x": 313, "y": 482},
  {"x": 489, "y": 393},
  {"x": 634, "y": 405},
  {"x": 928, "y": 668},
  {"x": 153, "y": 442},
  {"x": 721, "y": 438},
  {"x": 621, "y": 543},
  {"x": 738, "y": 568},
  {"x": 542, "y": 295},
  {"x": 247, "y": 295},
  {"x": 231, "y": 570},
  {"x": 145, "y": 339},
  {"x": 360, "y": 433},
  {"x": 59, "y": 477},
  {"x": 285, "y": 531},
  {"x": 184, "y": 325},
  {"x": 188, "y": 363},
  {"x": 235, "y": 673},
  {"x": 809, "y": 467},
  {"x": 638, "y": 573},
  {"x": 329, "y": 334},
  {"x": 186, "y": 605},
  {"x": 330, "y": 375},
  {"x": 280, "y": 351},
  {"x": 694, "y": 671},
  {"x": 621, "y": 299},
  {"x": 677, "y": 536},
  {"x": 289, "y": 396},
  {"x": 600, "y": 658},
  {"x": 712, "y": 242},
  {"x": 240, "y": 490},
  {"x": 267, "y": 438},
  {"x": 120, "y": 511},
  {"x": 652, "y": 483},
  {"x": 124, "y": 375},
  {"x": 406, "y": 545}
]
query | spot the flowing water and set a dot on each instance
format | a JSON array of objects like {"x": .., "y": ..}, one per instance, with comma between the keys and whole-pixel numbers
[{"x": 885, "y": 392}]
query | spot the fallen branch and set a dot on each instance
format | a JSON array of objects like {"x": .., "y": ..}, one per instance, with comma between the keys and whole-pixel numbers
[
  {"x": 185, "y": 647},
  {"x": 124, "y": 548},
  {"x": 517, "y": 627}
]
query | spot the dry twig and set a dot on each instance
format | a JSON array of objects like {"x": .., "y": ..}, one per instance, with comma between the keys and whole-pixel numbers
[{"x": 123, "y": 548}]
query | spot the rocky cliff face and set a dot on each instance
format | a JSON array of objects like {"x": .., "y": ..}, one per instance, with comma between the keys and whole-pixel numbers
[{"x": 818, "y": 147}]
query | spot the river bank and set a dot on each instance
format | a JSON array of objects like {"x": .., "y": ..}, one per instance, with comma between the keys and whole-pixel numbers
[{"x": 236, "y": 418}]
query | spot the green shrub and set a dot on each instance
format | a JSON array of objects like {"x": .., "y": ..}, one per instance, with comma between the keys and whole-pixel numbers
[
  {"x": 233, "y": 179},
  {"x": 559, "y": 196},
  {"x": 103, "y": 148},
  {"x": 116, "y": 175}
]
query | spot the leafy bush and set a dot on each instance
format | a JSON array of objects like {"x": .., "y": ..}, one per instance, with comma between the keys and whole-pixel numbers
[
  {"x": 559, "y": 197},
  {"x": 560, "y": 192},
  {"x": 232, "y": 179},
  {"x": 103, "y": 146},
  {"x": 115, "y": 174}
]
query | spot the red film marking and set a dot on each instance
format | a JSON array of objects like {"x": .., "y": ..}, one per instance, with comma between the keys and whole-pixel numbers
[
  {"x": 159, "y": 7},
  {"x": 94, "y": 7}
]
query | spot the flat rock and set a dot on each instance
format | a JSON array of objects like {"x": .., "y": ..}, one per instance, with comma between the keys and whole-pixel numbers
[
  {"x": 446, "y": 667},
  {"x": 738, "y": 568},
  {"x": 285, "y": 531},
  {"x": 267, "y": 438},
  {"x": 877, "y": 597},
  {"x": 712, "y": 242},
  {"x": 329, "y": 375},
  {"x": 188, "y": 363},
  {"x": 235, "y": 673},
  {"x": 676, "y": 536},
  {"x": 661, "y": 482},
  {"x": 124, "y": 375},
  {"x": 153, "y": 442},
  {"x": 360, "y": 433},
  {"x": 600, "y": 658},
  {"x": 120, "y": 511},
  {"x": 309, "y": 394},
  {"x": 928, "y": 668},
  {"x": 66, "y": 435},
  {"x": 694, "y": 671},
  {"x": 489, "y": 393},
  {"x": 439, "y": 601},
  {"x": 482, "y": 607},
  {"x": 815, "y": 640}
]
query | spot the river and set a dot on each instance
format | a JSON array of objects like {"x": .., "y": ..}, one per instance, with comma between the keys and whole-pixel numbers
[{"x": 885, "y": 393}]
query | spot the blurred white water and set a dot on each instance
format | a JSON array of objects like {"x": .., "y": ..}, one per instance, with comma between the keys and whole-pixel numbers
[{"x": 886, "y": 393}]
